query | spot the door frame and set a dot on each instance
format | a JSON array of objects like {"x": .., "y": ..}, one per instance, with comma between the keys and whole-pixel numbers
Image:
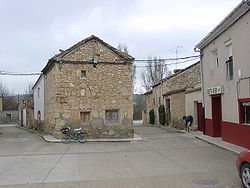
[{"x": 216, "y": 115}]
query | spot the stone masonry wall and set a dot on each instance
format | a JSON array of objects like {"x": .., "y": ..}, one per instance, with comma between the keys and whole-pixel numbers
[
  {"x": 177, "y": 107},
  {"x": 105, "y": 87},
  {"x": 188, "y": 78},
  {"x": 173, "y": 88}
]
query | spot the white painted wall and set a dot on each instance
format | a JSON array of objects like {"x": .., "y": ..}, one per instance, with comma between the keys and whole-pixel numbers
[
  {"x": 239, "y": 34},
  {"x": 38, "y": 92},
  {"x": 191, "y": 100}
]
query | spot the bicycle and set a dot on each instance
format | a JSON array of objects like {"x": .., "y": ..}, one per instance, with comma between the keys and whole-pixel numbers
[{"x": 76, "y": 135}]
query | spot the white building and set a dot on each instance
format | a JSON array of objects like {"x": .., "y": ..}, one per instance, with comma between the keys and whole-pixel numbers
[
  {"x": 225, "y": 62},
  {"x": 38, "y": 92}
]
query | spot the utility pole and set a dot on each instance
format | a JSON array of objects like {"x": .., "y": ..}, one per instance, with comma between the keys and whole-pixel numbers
[{"x": 177, "y": 53}]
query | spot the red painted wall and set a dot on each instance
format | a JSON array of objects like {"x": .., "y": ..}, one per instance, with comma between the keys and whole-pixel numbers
[
  {"x": 209, "y": 127},
  {"x": 236, "y": 134}
]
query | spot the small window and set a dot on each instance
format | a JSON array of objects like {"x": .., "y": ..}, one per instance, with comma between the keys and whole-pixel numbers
[
  {"x": 8, "y": 118},
  {"x": 245, "y": 112},
  {"x": 229, "y": 60},
  {"x": 214, "y": 59},
  {"x": 38, "y": 92},
  {"x": 229, "y": 65},
  {"x": 83, "y": 74},
  {"x": 38, "y": 115},
  {"x": 111, "y": 116},
  {"x": 85, "y": 117}
]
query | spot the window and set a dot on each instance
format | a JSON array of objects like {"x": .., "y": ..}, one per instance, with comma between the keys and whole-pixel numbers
[
  {"x": 8, "y": 118},
  {"x": 85, "y": 117},
  {"x": 111, "y": 116},
  {"x": 229, "y": 60},
  {"x": 38, "y": 115},
  {"x": 214, "y": 59},
  {"x": 38, "y": 92},
  {"x": 230, "y": 68},
  {"x": 83, "y": 74},
  {"x": 245, "y": 112}
]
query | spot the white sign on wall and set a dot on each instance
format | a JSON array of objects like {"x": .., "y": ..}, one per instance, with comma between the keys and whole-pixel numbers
[{"x": 215, "y": 90}]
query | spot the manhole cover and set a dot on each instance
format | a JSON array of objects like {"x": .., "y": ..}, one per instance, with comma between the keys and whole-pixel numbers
[{"x": 204, "y": 181}]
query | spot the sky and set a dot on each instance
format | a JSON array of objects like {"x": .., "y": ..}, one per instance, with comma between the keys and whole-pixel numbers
[{"x": 31, "y": 31}]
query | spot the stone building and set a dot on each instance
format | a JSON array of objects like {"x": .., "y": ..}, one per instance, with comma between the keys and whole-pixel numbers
[
  {"x": 26, "y": 112},
  {"x": 88, "y": 85},
  {"x": 180, "y": 93}
]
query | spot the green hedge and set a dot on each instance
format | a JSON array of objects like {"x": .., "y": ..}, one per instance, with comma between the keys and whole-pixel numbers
[
  {"x": 162, "y": 116},
  {"x": 152, "y": 117}
]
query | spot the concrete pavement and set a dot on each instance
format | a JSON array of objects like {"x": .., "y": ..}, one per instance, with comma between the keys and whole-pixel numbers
[{"x": 162, "y": 160}]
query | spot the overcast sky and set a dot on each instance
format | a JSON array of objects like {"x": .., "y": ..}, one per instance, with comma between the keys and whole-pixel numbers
[{"x": 32, "y": 31}]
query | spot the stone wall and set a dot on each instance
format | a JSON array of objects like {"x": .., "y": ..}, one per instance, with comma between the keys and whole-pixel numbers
[
  {"x": 189, "y": 77},
  {"x": 177, "y": 108},
  {"x": 9, "y": 117},
  {"x": 149, "y": 106},
  {"x": 26, "y": 108},
  {"x": 104, "y": 87},
  {"x": 173, "y": 88}
]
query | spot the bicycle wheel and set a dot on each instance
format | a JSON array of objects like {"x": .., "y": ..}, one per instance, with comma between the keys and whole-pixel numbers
[
  {"x": 81, "y": 138},
  {"x": 65, "y": 139}
]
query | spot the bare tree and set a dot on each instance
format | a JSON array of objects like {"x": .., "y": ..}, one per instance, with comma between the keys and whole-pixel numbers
[
  {"x": 3, "y": 89},
  {"x": 29, "y": 90},
  {"x": 138, "y": 105},
  {"x": 154, "y": 72},
  {"x": 122, "y": 47},
  {"x": 9, "y": 99}
]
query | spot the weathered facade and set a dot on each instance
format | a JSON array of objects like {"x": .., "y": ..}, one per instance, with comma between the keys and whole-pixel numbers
[
  {"x": 172, "y": 92},
  {"x": 225, "y": 61},
  {"x": 89, "y": 85},
  {"x": 174, "y": 89},
  {"x": 26, "y": 112},
  {"x": 9, "y": 117}
]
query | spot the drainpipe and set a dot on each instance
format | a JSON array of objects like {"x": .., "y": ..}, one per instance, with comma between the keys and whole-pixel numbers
[{"x": 202, "y": 90}]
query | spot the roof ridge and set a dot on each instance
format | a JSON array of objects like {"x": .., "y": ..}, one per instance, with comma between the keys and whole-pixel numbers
[
  {"x": 78, "y": 44},
  {"x": 173, "y": 75}
]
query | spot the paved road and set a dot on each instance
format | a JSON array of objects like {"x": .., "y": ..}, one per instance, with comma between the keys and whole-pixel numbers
[{"x": 162, "y": 160}]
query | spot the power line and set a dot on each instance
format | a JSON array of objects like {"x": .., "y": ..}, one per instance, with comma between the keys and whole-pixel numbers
[
  {"x": 162, "y": 60},
  {"x": 19, "y": 74},
  {"x": 167, "y": 59},
  {"x": 166, "y": 64}
]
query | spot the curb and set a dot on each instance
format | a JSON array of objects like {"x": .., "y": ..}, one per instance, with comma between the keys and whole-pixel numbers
[
  {"x": 221, "y": 146},
  {"x": 49, "y": 138},
  {"x": 32, "y": 131},
  {"x": 52, "y": 139}
]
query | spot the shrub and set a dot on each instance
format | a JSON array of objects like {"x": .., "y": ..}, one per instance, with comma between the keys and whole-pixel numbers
[
  {"x": 152, "y": 117},
  {"x": 162, "y": 116}
]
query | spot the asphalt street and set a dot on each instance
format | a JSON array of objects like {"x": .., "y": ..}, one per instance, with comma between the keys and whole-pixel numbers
[{"x": 163, "y": 159}]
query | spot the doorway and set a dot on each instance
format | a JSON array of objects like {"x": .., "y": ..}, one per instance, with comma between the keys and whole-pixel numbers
[
  {"x": 168, "y": 116},
  {"x": 200, "y": 117},
  {"x": 216, "y": 115}
]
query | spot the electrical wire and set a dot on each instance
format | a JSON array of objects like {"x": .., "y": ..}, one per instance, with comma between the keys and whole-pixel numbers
[
  {"x": 18, "y": 74},
  {"x": 167, "y": 59},
  {"x": 160, "y": 60}
]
